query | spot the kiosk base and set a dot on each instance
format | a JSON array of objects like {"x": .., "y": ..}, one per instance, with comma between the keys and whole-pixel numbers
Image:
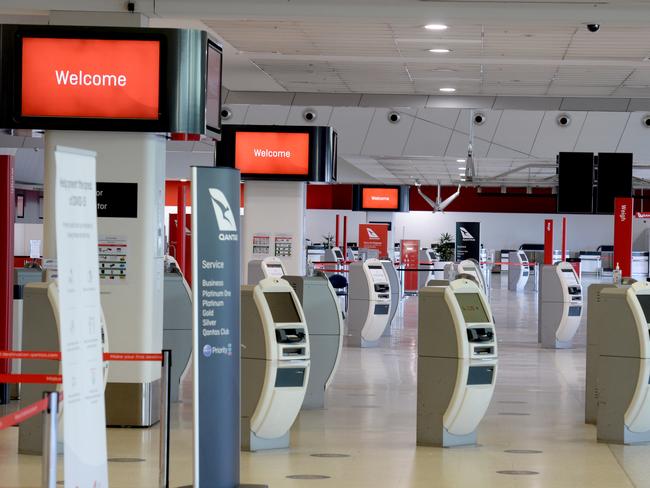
[
  {"x": 558, "y": 345},
  {"x": 358, "y": 341},
  {"x": 253, "y": 443},
  {"x": 448, "y": 440},
  {"x": 625, "y": 437},
  {"x": 132, "y": 404}
]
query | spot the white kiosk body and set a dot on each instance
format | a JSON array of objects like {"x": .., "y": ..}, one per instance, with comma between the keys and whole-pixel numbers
[
  {"x": 269, "y": 267},
  {"x": 274, "y": 363},
  {"x": 624, "y": 365},
  {"x": 457, "y": 360},
  {"x": 518, "y": 271},
  {"x": 369, "y": 303},
  {"x": 473, "y": 268},
  {"x": 334, "y": 255},
  {"x": 426, "y": 265},
  {"x": 560, "y": 306},
  {"x": 325, "y": 321},
  {"x": 393, "y": 281}
]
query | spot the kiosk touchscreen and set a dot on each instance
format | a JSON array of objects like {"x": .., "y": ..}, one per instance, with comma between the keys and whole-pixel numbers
[
  {"x": 275, "y": 362},
  {"x": 269, "y": 267},
  {"x": 518, "y": 270},
  {"x": 369, "y": 303},
  {"x": 426, "y": 265},
  {"x": 624, "y": 365},
  {"x": 325, "y": 320},
  {"x": 457, "y": 360},
  {"x": 560, "y": 306}
]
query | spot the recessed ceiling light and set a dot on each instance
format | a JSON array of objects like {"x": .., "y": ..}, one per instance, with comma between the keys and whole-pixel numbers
[
  {"x": 436, "y": 27},
  {"x": 461, "y": 160},
  {"x": 447, "y": 90},
  {"x": 462, "y": 167},
  {"x": 462, "y": 179},
  {"x": 439, "y": 50}
]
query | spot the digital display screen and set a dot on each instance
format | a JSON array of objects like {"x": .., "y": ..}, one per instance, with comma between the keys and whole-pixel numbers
[
  {"x": 283, "y": 309},
  {"x": 213, "y": 95},
  {"x": 338, "y": 254},
  {"x": 377, "y": 274},
  {"x": 570, "y": 277},
  {"x": 274, "y": 270},
  {"x": 90, "y": 78},
  {"x": 472, "y": 308},
  {"x": 644, "y": 301},
  {"x": 380, "y": 198},
  {"x": 272, "y": 153}
]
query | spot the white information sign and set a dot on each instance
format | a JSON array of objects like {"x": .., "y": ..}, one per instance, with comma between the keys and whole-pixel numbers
[{"x": 84, "y": 428}]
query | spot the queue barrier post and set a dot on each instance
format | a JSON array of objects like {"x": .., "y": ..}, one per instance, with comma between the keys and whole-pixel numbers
[
  {"x": 50, "y": 419},
  {"x": 165, "y": 396}
]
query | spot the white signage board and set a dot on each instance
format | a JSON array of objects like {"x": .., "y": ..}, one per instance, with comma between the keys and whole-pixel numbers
[{"x": 84, "y": 428}]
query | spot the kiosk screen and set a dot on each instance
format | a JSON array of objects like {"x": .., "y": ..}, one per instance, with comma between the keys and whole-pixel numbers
[
  {"x": 472, "y": 308},
  {"x": 338, "y": 254},
  {"x": 282, "y": 308},
  {"x": 275, "y": 270},
  {"x": 644, "y": 300},
  {"x": 377, "y": 273},
  {"x": 570, "y": 277}
]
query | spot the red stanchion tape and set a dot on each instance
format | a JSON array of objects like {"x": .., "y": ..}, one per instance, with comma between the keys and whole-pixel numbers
[
  {"x": 54, "y": 379},
  {"x": 127, "y": 356},
  {"x": 23, "y": 414},
  {"x": 56, "y": 356}
]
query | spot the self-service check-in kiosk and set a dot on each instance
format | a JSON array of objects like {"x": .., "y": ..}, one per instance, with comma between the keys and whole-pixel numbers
[
  {"x": 560, "y": 306},
  {"x": 518, "y": 270},
  {"x": 274, "y": 363},
  {"x": 325, "y": 321},
  {"x": 426, "y": 265},
  {"x": 624, "y": 365},
  {"x": 369, "y": 303},
  {"x": 393, "y": 281},
  {"x": 269, "y": 267},
  {"x": 177, "y": 326},
  {"x": 457, "y": 360},
  {"x": 334, "y": 255},
  {"x": 473, "y": 268}
]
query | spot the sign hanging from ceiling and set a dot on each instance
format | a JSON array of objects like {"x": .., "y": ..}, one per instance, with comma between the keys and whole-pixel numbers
[
  {"x": 272, "y": 153},
  {"x": 95, "y": 78},
  {"x": 380, "y": 198}
]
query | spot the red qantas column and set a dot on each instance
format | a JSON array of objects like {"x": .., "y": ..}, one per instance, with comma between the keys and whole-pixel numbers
[
  {"x": 548, "y": 241},
  {"x": 7, "y": 202},
  {"x": 623, "y": 212}
]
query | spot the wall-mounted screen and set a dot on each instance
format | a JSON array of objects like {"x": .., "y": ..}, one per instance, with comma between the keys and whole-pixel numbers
[
  {"x": 213, "y": 89},
  {"x": 272, "y": 153},
  {"x": 283, "y": 309},
  {"x": 377, "y": 274},
  {"x": 90, "y": 78},
  {"x": 472, "y": 308},
  {"x": 644, "y": 301},
  {"x": 380, "y": 198}
]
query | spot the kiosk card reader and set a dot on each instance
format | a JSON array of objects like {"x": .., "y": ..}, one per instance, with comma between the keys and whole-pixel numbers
[
  {"x": 457, "y": 360},
  {"x": 560, "y": 306},
  {"x": 427, "y": 260},
  {"x": 393, "y": 281},
  {"x": 624, "y": 365},
  {"x": 325, "y": 321},
  {"x": 269, "y": 267},
  {"x": 518, "y": 270},
  {"x": 274, "y": 363},
  {"x": 369, "y": 303}
]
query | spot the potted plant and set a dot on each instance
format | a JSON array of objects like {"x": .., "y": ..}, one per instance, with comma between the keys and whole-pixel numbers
[{"x": 445, "y": 247}]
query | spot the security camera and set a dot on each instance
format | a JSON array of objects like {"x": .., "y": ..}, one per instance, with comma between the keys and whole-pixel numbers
[
  {"x": 394, "y": 117},
  {"x": 645, "y": 121},
  {"x": 226, "y": 113},
  {"x": 593, "y": 27},
  {"x": 563, "y": 120},
  {"x": 309, "y": 115},
  {"x": 130, "y": 6},
  {"x": 479, "y": 119}
]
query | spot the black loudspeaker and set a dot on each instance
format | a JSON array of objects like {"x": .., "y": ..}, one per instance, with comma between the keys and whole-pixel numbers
[
  {"x": 614, "y": 176},
  {"x": 575, "y": 182}
]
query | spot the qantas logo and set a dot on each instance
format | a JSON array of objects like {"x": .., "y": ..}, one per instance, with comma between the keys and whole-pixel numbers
[
  {"x": 623, "y": 214},
  {"x": 225, "y": 217},
  {"x": 466, "y": 235},
  {"x": 371, "y": 233}
]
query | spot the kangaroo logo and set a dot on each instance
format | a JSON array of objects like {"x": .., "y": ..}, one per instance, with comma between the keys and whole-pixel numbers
[
  {"x": 466, "y": 235},
  {"x": 222, "y": 211},
  {"x": 371, "y": 233}
]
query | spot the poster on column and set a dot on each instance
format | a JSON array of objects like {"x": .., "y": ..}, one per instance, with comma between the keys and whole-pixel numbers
[
  {"x": 410, "y": 260},
  {"x": 548, "y": 241},
  {"x": 468, "y": 240},
  {"x": 84, "y": 430},
  {"x": 216, "y": 334},
  {"x": 623, "y": 212},
  {"x": 374, "y": 236}
]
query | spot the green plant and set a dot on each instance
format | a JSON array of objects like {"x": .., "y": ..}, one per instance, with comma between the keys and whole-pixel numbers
[
  {"x": 445, "y": 247},
  {"x": 328, "y": 240}
]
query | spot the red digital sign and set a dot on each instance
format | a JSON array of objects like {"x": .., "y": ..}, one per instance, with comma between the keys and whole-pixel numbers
[
  {"x": 90, "y": 78},
  {"x": 272, "y": 153},
  {"x": 380, "y": 198}
]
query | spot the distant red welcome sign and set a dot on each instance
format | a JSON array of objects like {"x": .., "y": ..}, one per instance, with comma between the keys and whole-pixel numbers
[{"x": 279, "y": 153}]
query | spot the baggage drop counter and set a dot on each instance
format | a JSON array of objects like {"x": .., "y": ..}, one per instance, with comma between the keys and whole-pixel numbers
[
  {"x": 275, "y": 363},
  {"x": 457, "y": 361}
]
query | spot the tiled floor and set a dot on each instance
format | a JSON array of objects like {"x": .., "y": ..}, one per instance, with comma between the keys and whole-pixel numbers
[{"x": 538, "y": 406}]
